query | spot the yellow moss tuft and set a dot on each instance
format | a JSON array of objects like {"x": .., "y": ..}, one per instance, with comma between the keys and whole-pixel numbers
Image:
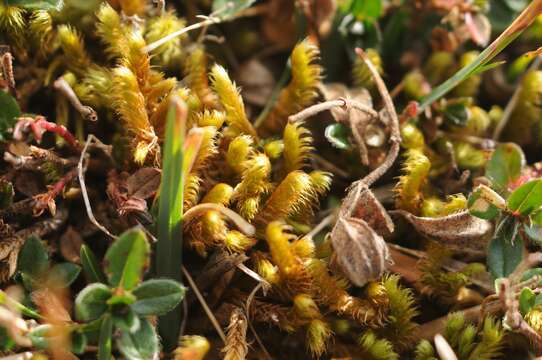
[
  {"x": 41, "y": 31},
  {"x": 290, "y": 266},
  {"x": 434, "y": 207},
  {"x": 168, "y": 54},
  {"x": 254, "y": 184},
  {"x": 12, "y": 23},
  {"x": 129, "y": 103},
  {"x": 95, "y": 87},
  {"x": 239, "y": 149},
  {"x": 297, "y": 146},
  {"x": 232, "y": 102},
  {"x": 318, "y": 336},
  {"x": 295, "y": 193},
  {"x": 73, "y": 47},
  {"x": 330, "y": 291},
  {"x": 301, "y": 90},
  {"x": 112, "y": 31},
  {"x": 220, "y": 194},
  {"x": 237, "y": 242},
  {"x": 408, "y": 191},
  {"x": 191, "y": 191},
  {"x": 196, "y": 76},
  {"x": 211, "y": 118}
]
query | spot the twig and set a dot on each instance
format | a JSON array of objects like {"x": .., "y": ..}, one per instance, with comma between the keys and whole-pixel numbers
[
  {"x": 320, "y": 226},
  {"x": 47, "y": 199},
  {"x": 65, "y": 89},
  {"x": 247, "y": 311},
  {"x": 395, "y": 136},
  {"x": 81, "y": 174},
  {"x": 513, "y": 100},
  {"x": 328, "y": 165},
  {"x": 152, "y": 46},
  {"x": 241, "y": 223},
  {"x": 204, "y": 305},
  {"x": 328, "y": 105}
]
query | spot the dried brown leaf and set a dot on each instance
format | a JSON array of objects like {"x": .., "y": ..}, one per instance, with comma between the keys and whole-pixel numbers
[
  {"x": 143, "y": 183},
  {"x": 459, "y": 230},
  {"x": 70, "y": 245}
]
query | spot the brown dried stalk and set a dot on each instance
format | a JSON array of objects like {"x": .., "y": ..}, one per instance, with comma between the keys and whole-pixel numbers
[{"x": 236, "y": 347}]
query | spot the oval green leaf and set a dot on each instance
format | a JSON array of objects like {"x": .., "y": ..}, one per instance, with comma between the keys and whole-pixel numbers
[
  {"x": 158, "y": 296},
  {"x": 141, "y": 345},
  {"x": 9, "y": 111},
  {"x": 527, "y": 198},
  {"x": 126, "y": 259},
  {"x": 91, "y": 302},
  {"x": 505, "y": 166},
  {"x": 505, "y": 249}
]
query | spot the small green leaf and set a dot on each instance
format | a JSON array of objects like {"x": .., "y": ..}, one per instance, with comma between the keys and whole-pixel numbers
[
  {"x": 78, "y": 342},
  {"x": 528, "y": 274},
  {"x": 40, "y": 336},
  {"x": 505, "y": 166},
  {"x": 478, "y": 206},
  {"x": 337, "y": 135},
  {"x": 126, "y": 319},
  {"x": 65, "y": 273},
  {"x": 141, "y": 345},
  {"x": 157, "y": 296},
  {"x": 9, "y": 112},
  {"x": 91, "y": 302},
  {"x": 505, "y": 249},
  {"x": 105, "y": 342},
  {"x": 48, "y": 5},
  {"x": 33, "y": 259},
  {"x": 456, "y": 114},
  {"x": 533, "y": 232},
  {"x": 90, "y": 265},
  {"x": 226, "y": 9},
  {"x": 526, "y": 300},
  {"x": 527, "y": 198},
  {"x": 127, "y": 258}
]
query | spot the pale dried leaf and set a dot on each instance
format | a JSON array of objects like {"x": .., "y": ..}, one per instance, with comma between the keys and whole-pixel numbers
[
  {"x": 459, "y": 230},
  {"x": 256, "y": 81}
]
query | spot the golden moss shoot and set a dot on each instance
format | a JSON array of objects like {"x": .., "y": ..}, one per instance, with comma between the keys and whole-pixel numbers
[
  {"x": 301, "y": 90},
  {"x": 318, "y": 335},
  {"x": 130, "y": 105},
  {"x": 409, "y": 189},
  {"x": 297, "y": 146},
  {"x": 239, "y": 150},
  {"x": 232, "y": 102},
  {"x": 254, "y": 184}
]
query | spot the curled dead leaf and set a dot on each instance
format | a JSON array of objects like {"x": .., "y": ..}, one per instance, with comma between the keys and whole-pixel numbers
[
  {"x": 361, "y": 253},
  {"x": 143, "y": 183},
  {"x": 361, "y": 203},
  {"x": 70, "y": 245},
  {"x": 459, "y": 230}
]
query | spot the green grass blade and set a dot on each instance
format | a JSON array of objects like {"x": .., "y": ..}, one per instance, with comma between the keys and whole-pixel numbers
[
  {"x": 169, "y": 246},
  {"x": 510, "y": 34}
]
